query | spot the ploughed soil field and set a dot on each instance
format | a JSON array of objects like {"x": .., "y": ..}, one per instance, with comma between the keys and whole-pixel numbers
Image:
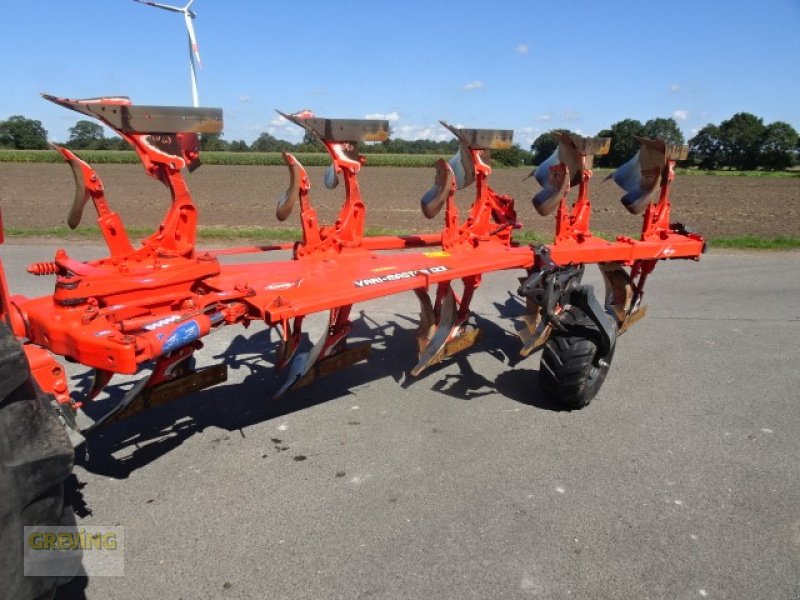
[{"x": 39, "y": 196}]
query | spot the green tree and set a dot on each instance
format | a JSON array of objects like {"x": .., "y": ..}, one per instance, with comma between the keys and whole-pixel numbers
[
  {"x": 741, "y": 137},
  {"x": 778, "y": 146},
  {"x": 114, "y": 143},
  {"x": 310, "y": 143},
  {"x": 86, "y": 135},
  {"x": 238, "y": 146},
  {"x": 510, "y": 157},
  {"x": 623, "y": 142},
  {"x": 212, "y": 142},
  {"x": 664, "y": 129},
  {"x": 402, "y": 146},
  {"x": 22, "y": 134},
  {"x": 269, "y": 143},
  {"x": 544, "y": 145},
  {"x": 705, "y": 148}
]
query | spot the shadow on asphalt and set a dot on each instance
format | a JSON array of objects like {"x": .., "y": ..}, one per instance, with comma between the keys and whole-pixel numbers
[
  {"x": 119, "y": 449},
  {"x": 74, "y": 590}
]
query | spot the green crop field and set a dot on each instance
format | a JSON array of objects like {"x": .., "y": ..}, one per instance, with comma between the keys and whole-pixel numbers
[{"x": 316, "y": 159}]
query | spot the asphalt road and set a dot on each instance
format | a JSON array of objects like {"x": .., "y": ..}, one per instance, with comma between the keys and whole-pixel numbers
[{"x": 681, "y": 480}]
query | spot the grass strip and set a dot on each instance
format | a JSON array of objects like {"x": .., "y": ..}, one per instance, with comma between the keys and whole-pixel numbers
[{"x": 756, "y": 242}]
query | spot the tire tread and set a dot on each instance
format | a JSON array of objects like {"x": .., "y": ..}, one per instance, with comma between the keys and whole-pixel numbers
[{"x": 568, "y": 360}]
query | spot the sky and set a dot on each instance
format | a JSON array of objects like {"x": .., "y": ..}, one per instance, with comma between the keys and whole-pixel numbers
[{"x": 530, "y": 66}]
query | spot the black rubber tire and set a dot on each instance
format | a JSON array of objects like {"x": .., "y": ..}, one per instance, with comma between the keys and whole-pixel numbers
[
  {"x": 35, "y": 458},
  {"x": 570, "y": 371}
]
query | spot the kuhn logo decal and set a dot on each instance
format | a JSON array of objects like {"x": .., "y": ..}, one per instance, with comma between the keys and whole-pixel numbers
[{"x": 397, "y": 276}]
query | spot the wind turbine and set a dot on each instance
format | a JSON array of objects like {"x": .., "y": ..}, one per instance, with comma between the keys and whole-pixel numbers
[{"x": 194, "y": 51}]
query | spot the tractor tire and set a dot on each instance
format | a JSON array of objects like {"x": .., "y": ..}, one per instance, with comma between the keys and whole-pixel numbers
[
  {"x": 35, "y": 459},
  {"x": 570, "y": 371}
]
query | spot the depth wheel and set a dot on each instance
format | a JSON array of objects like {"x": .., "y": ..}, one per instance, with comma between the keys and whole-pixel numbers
[
  {"x": 570, "y": 371},
  {"x": 35, "y": 459}
]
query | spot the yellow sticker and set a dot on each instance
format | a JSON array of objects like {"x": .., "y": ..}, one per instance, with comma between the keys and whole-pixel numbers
[
  {"x": 380, "y": 269},
  {"x": 436, "y": 254}
]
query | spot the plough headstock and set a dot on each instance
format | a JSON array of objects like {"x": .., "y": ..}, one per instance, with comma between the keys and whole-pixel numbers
[
  {"x": 565, "y": 168},
  {"x": 640, "y": 176}
]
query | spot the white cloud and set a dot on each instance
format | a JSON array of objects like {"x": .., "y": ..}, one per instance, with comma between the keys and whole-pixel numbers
[
  {"x": 473, "y": 85},
  {"x": 544, "y": 117},
  {"x": 392, "y": 116},
  {"x": 281, "y": 128},
  {"x": 571, "y": 115},
  {"x": 522, "y": 48},
  {"x": 675, "y": 87},
  {"x": 680, "y": 115},
  {"x": 422, "y": 132},
  {"x": 245, "y": 98},
  {"x": 524, "y": 136}
]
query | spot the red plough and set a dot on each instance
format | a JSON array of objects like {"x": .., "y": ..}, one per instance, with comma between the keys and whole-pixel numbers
[{"x": 150, "y": 304}]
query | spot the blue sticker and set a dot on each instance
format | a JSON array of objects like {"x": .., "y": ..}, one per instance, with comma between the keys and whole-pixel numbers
[{"x": 183, "y": 334}]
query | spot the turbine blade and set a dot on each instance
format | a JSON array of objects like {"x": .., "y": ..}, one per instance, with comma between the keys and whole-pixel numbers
[
  {"x": 157, "y": 5},
  {"x": 193, "y": 47}
]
